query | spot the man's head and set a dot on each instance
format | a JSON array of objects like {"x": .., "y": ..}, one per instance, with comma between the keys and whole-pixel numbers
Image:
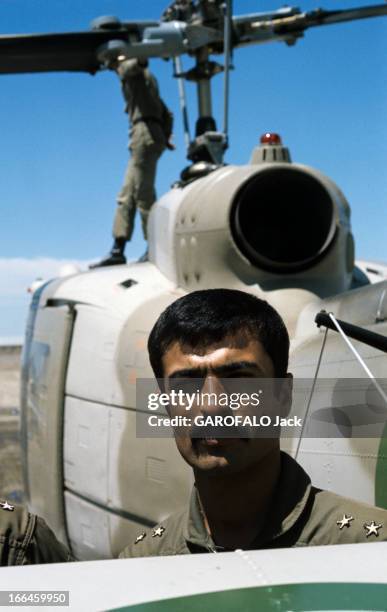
[
  {"x": 214, "y": 335},
  {"x": 204, "y": 318}
]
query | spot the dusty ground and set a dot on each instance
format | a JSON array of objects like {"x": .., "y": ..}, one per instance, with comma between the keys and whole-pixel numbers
[{"x": 11, "y": 487}]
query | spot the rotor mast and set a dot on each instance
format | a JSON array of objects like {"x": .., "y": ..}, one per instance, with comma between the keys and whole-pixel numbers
[
  {"x": 199, "y": 28},
  {"x": 203, "y": 85}
]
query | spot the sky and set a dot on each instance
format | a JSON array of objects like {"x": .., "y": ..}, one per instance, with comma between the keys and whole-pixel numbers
[{"x": 64, "y": 136}]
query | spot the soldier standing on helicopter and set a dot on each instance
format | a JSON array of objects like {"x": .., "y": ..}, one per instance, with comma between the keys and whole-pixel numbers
[{"x": 150, "y": 132}]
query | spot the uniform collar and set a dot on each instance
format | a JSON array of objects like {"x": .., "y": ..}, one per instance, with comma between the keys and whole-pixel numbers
[
  {"x": 289, "y": 501},
  {"x": 195, "y": 531},
  {"x": 290, "y": 498}
]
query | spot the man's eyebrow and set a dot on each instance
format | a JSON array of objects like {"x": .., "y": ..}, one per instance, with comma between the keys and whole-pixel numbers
[
  {"x": 189, "y": 373},
  {"x": 236, "y": 366}
]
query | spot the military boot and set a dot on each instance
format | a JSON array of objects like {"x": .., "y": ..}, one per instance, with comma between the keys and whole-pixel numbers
[{"x": 115, "y": 257}]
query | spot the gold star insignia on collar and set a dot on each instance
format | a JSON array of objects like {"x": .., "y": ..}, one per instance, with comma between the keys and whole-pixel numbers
[
  {"x": 345, "y": 521},
  {"x": 158, "y": 532},
  {"x": 372, "y": 529},
  {"x": 6, "y": 506},
  {"x": 140, "y": 537}
]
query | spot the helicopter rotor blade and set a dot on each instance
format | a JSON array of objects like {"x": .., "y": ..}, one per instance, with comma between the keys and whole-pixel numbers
[
  {"x": 288, "y": 24},
  {"x": 74, "y": 51},
  {"x": 328, "y": 17},
  {"x": 78, "y": 51}
]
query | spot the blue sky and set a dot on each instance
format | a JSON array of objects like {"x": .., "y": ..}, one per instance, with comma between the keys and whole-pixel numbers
[{"x": 64, "y": 136}]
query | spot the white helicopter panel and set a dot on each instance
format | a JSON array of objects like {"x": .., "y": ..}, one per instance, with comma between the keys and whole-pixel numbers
[
  {"x": 330, "y": 578},
  {"x": 350, "y": 465},
  {"x": 98, "y": 438},
  {"x": 44, "y": 363}
]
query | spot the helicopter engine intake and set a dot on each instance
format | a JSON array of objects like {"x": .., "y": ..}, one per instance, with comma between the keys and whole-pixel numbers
[
  {"x": 283, "y": 220},
  {"x": 275, "y": 224}
]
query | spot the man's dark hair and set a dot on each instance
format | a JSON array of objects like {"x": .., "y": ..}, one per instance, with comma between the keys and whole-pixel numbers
[{"x": 203, "y": 318}]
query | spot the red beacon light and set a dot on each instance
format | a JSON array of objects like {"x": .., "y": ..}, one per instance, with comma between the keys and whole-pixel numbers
[{"x": 270, "y": 138}]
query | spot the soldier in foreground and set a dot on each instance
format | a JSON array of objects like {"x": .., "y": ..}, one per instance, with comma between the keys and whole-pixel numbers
[
  {"x": 26, "y": 539},
  {"x": 151, "y": 129},
  {"x": 247, "y": 494}
]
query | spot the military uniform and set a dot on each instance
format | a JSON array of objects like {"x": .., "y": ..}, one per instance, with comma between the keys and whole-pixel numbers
[
  {"x": 151, "y": 128},
  {"x": 300, "y": 515},
  {"x": 26, "y": 539}
]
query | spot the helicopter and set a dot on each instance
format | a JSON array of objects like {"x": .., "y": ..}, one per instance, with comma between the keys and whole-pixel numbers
[
  {"x": 216, "y": 227},
  {"x": 272, "y": 580}
]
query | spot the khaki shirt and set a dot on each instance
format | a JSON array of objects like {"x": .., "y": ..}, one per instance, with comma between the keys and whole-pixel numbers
[
  {"x": 143, "y": 101},
  {"x": 26, "y": 539},
  {"x": 300, "y": 515}
]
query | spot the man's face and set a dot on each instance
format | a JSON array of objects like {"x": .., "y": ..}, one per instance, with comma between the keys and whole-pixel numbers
[{"x": 232, "y": 358}]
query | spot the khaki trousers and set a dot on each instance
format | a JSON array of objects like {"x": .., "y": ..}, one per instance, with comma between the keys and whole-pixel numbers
[{"x": 138, "y": 190}]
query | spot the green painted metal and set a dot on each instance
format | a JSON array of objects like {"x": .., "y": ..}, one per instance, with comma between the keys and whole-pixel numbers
[{"x": 305, "y": 597}]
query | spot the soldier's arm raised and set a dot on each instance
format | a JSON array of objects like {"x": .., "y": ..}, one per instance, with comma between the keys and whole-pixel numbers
[{"x": 128, "y": 68}]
